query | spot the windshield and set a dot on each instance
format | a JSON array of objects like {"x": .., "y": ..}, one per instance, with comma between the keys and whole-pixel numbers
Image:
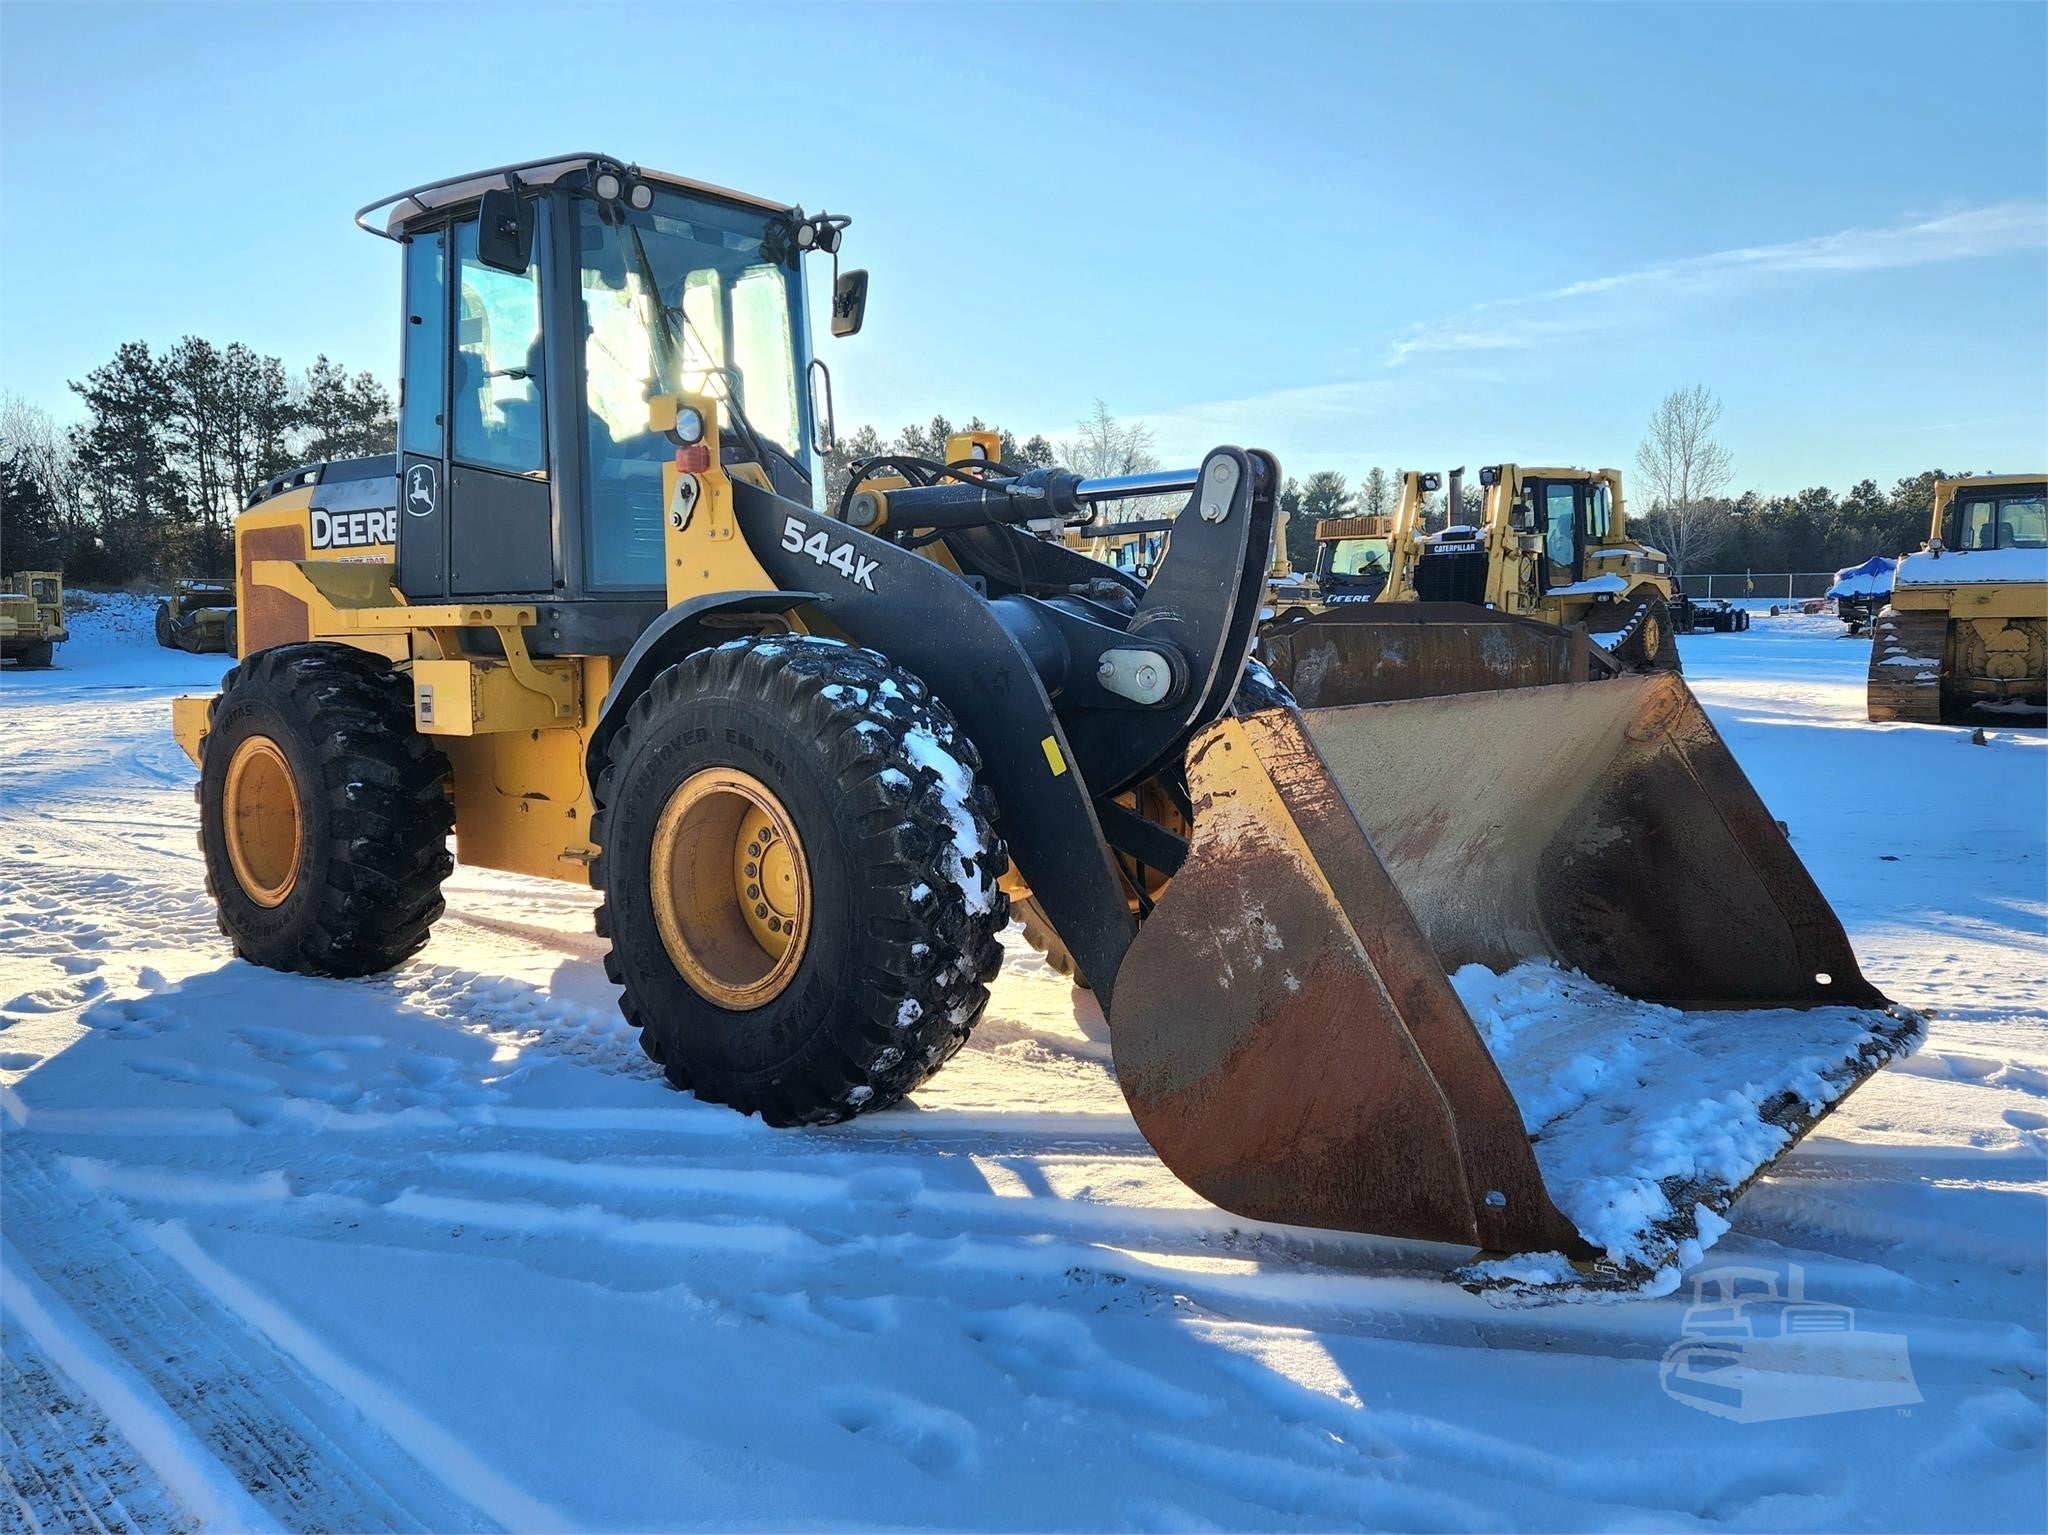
[
  {"x": 1358, "y": 557},
  {"x": 2015, "y": 518},
  {"x": 689, "y": 296}
]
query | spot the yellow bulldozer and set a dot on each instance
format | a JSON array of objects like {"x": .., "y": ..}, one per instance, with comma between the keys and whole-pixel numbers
[
  {"x": 1551, "y": 544},
  {"x": 1966, "y": 627},
  {"x": 595, "y": 619},
  {"x": 32, "y": 617}
]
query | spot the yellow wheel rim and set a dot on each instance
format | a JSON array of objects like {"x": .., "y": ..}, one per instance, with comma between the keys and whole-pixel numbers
[
  {"x": 265, "y": 832},
  {"x": 732, "y": 891},
  {"x": 1653, "y": 635}
]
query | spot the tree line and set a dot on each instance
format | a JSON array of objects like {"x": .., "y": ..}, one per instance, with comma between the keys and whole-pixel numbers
[{"x": 173, "y": 444}]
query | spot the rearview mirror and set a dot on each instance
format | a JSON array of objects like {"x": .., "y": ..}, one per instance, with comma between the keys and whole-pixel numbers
[
  {"x": 504, "y": 231},
  {"x": 849, "y": 302}
]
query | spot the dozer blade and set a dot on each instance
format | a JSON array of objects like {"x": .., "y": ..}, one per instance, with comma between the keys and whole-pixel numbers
[{"x": 1289, "y": 1035}]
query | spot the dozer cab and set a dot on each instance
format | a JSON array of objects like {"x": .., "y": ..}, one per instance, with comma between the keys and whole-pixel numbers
[
  {"x": 1552, "y": 544},
  {"x": 199, "y": 615},
  {"x": 809, "y": 756},
  {"x": 1966, "y": 625},
  {"x": 32, "y": 617}
]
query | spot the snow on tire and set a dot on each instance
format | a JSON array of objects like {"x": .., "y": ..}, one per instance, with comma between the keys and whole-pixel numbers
[{"x": 888, "y": 866}]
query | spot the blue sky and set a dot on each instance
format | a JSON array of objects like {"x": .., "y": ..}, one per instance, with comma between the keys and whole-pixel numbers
[{"x": 1415, "y": 235}]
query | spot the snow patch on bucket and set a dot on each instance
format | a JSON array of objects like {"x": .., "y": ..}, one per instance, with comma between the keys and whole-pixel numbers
[{"x": 1645, "y": 1118}]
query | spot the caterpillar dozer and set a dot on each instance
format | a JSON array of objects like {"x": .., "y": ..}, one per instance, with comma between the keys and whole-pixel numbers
[
  {"x": 1551, "y": 544},
  {"x": 32, "y": 617},
  {"x": 1966, "y": 625},
  {"x": 598, "y": 624}
]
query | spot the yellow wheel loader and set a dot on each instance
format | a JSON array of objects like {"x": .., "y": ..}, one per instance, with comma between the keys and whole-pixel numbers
[
  {"x": 593, "y": 619},
  {"x": 1967, "y": 622},
  {"x": 32, "y": 617},
  {"x": 199, "y": 615}
]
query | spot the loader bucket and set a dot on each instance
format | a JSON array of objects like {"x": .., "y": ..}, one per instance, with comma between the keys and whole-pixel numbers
[
  {"x": 1291, "y": 1037},
  {"x": 1374, "y": 652}
]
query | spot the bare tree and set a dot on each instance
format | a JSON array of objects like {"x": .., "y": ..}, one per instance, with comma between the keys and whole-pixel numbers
[
  {"x": 1103, "y": 446},
  {"x": 1684, "y": 471}
]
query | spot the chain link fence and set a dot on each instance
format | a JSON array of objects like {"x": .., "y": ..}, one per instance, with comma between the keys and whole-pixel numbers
[{"x": 1759, "y": 585}]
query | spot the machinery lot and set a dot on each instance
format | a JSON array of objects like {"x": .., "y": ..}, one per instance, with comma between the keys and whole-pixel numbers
[{"x": 440, "y": 1249}]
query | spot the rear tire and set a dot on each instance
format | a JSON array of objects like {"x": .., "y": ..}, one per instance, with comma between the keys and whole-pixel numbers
[
  {"x": 865, "y": 779},
  {"x": 163, "y": 625},
  {"x": 323, "y": 815},
  {"x": 231, "y": 634},
  {"x": 37, "y": 656}
]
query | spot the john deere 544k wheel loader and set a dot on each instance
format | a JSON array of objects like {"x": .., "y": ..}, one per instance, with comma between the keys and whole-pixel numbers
[{"x": 809, "y": 757}]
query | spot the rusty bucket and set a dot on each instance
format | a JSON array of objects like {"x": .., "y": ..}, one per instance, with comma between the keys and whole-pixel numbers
[{"x": 1287, "y": 1030}]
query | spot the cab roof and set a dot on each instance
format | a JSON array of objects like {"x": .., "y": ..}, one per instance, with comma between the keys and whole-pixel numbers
[{"x": 415, "y": 203}]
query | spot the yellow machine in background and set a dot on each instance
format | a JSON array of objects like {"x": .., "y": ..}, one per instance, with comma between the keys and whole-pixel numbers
[
  {"x": 1551, "y": 544},
  {"x": 199, "y": 615},
  {"x": 32, "y": 617},
  {"x": 1967, "y": 624}
]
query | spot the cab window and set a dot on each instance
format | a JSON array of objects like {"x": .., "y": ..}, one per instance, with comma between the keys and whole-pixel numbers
[
  {"x": 426, "y": 344},
  {"x": 498, "y": 384},
  {"x": 1599, "y": 512},
  {"x": 2016, "y": 520},
  {"x": 1560, "y": 530}
]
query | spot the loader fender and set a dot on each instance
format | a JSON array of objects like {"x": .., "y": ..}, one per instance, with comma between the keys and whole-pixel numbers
[{"x": 678, "y": 632}]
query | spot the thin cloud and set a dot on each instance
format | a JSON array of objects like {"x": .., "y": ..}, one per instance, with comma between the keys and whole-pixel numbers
[{"x": 1508, "y": 324}]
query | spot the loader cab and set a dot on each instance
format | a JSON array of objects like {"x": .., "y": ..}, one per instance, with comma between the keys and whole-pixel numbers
[{"x": 545, "y": 307}]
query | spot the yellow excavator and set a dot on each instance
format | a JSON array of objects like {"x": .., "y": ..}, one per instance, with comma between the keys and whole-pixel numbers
[
  {"x": 1966, "y": 627},
  {"x": 595, "y": 618}
]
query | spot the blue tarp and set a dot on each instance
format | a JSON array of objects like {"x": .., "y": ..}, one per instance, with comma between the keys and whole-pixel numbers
[{"x": 1871, "y": 578}]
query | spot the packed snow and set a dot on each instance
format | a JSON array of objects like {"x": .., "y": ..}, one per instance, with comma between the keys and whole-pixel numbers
[
  {"x": 1973, "y": 567},
  {"x": 1609, "y": 585},
  {"x": 440, "y": 1250},
  {"x": 1641, "y": 1113}
]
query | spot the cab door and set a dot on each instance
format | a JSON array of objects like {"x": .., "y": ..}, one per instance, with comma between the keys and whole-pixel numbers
[
  {"x": 1558, "y": 520},
  {"x": 476, "y": 510}
]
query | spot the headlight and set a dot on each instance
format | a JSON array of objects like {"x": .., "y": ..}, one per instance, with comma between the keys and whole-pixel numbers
[
  {"x": 641, "y": 196},
  {"x": 689, "y": 426},
  {"x": 607, "y": 186}
]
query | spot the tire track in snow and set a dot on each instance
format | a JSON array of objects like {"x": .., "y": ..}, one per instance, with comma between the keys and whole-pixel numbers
[{"x": 278, "y": 1438}]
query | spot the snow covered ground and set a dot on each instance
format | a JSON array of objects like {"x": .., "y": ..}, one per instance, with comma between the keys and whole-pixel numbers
[{"x": 441, "y": 1251}]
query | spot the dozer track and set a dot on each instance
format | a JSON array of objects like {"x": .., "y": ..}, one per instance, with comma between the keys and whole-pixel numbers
[{"x": 1906, "y": 656}]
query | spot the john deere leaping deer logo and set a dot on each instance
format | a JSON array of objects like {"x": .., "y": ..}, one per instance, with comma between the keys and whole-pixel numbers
[{"x": 419, "y": 490}]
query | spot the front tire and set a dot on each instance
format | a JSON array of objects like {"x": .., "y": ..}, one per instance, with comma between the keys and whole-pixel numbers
[
  {"x": 37, "y": 656},
  {"x": 163, "y": 625},
  {"x": 799, "y": 875},
  {"x": 323, "y": 814}
]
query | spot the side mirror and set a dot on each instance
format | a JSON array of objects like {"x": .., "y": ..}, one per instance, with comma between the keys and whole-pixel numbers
[
  {"x": 849, "y": 302},
  {"x": 504, "y": 231}
]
